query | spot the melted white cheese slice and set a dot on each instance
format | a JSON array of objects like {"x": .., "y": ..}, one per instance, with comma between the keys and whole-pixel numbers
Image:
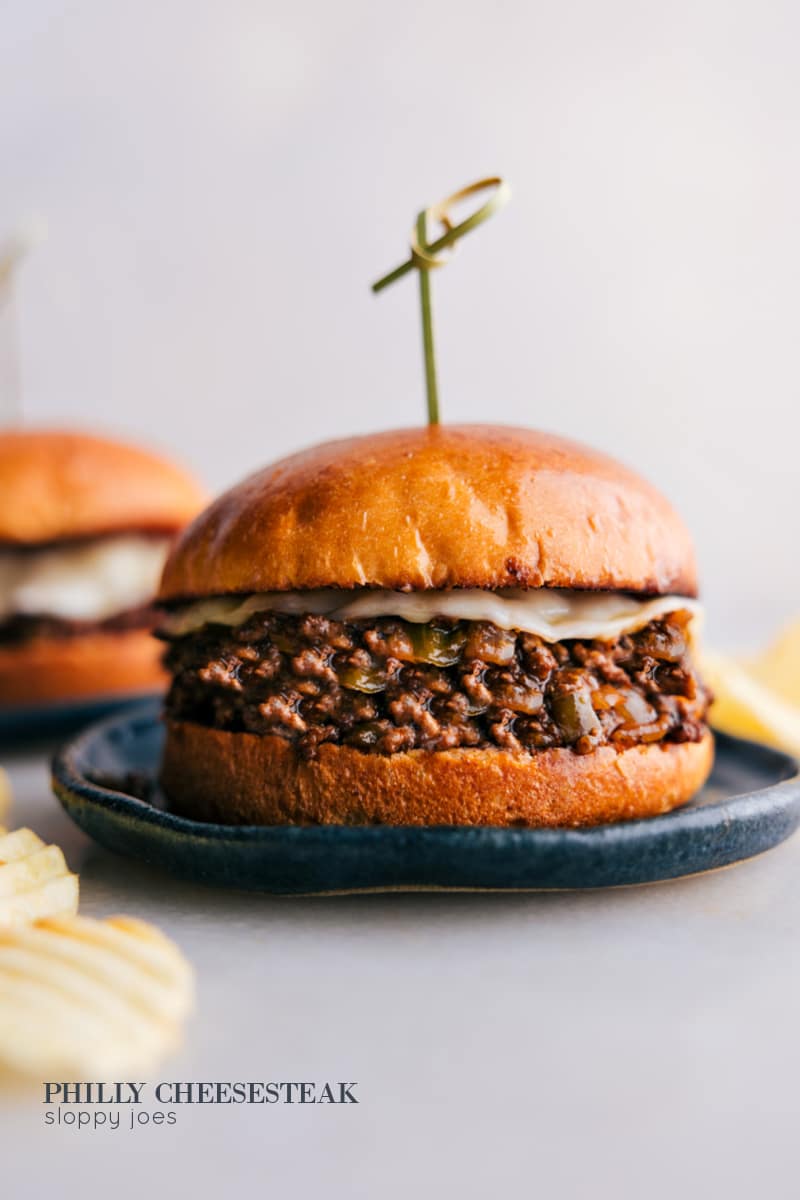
[
  {"x": 554, "y": 614},
  {"x": 88, "y": 581}
]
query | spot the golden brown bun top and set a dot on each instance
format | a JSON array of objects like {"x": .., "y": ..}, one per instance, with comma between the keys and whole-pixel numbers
[
  {"x": 476, "y": 506},
  {"x": 56, "y": 485}
]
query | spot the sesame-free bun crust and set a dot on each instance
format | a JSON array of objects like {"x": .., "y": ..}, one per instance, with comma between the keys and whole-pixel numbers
[
  {"x": 475, "y": 506},
  {"x": 47, "y": 670},
  {"x": 57, "y": 485},
  {"x": 247, "y": 779}
]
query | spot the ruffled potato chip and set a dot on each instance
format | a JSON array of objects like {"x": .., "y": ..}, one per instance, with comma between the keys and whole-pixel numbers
[
  {"x": 35, "y": 880},
  {"x": 82, "y": 998},
  {"x": 779, "y": 667},
  {"x": 747, "y": 706}
]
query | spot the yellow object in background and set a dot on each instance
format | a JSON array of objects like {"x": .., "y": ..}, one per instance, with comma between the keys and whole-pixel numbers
[
  {"x": 79, "y": 998},
  {"x": 5, "y": 795},
  {"x": 35, "y": 880},
  {"x": 779, "y": 668},
  {"x": 88, "y": 999},
  {"x": 759, "y": 698}
]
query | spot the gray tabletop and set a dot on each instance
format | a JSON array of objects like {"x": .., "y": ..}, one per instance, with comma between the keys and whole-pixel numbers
[{"x": 624, "y": 1043}]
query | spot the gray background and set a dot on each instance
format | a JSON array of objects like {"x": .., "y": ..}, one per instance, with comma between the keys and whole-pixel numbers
[{"x": 221, "y": 183}]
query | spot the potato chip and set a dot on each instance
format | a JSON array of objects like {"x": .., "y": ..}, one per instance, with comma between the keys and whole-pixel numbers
[
  {"x": 5, "y": 795},
  {"x": 743, "y": 705},
  {"x": 35, "y": 880},
  {"x": 778, "y": 668},
  {"x": 82, "y": 998}
]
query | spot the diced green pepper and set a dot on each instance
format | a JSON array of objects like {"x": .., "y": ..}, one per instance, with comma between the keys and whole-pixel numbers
[
  {"x": 362, "y": 679},
  {"x": 574, "y": 714},
  {"x": 441, "y": 647}
]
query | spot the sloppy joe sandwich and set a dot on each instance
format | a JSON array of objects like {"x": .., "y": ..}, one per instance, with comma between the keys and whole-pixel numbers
[
  {"x": 85, "y": 526},
  {"x": 449, "y": 625}
]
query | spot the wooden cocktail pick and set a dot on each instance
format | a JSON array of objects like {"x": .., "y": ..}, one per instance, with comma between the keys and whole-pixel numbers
[{"x": 426, "y": 255}]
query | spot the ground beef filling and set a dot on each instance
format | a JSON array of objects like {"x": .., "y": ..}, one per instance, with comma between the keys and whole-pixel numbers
[{"x": 385, "y": 685}]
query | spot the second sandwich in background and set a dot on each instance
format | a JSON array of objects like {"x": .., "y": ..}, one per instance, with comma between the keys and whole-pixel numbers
[{"x": 85, "y": 527}]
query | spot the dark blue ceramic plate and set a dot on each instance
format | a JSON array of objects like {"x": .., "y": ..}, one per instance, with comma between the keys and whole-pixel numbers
[
  {"x": 57, "y": 720},
  {"x": 751, "y": 803}
]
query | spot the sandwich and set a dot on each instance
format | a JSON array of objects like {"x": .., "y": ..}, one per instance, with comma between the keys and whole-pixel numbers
[
  {"x": 85, "y": 526},
  {"x": 455, "y": 625}
]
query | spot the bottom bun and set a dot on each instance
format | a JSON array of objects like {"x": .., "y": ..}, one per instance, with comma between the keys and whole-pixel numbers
[
  {"x": 45, "y": 670},
  {"x": 247, "y": 779}
]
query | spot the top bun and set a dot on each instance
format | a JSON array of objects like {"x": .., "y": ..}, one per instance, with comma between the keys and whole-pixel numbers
[
  {"x": 56, "y": 485},
  {"x": 476, "y": 506}
]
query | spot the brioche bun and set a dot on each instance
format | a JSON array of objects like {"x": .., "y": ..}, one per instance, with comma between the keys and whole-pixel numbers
[
  {"x": 56, "y": 485},
  {"x": 471, "y": 506},
  {"x": 246, "y": 779},
  {"x": 46, "y": 670}
]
